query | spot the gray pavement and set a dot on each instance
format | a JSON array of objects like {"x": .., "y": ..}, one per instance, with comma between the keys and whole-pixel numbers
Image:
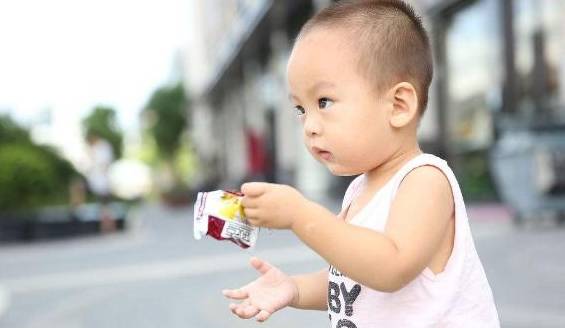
[{"x": 157, "y": 275}]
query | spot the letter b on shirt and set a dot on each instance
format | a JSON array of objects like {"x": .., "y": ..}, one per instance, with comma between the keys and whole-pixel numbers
[
  {"x": 349, "y": 297},
  {"x": 338, "y": 295}
]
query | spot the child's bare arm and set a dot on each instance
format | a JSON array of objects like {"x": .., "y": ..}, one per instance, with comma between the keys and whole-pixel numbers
[
  {"x": 418, "y": 222},
  {"x": 312, "y": 291}
]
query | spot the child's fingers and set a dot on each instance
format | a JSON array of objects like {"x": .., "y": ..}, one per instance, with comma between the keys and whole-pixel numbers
[
  {"x": 248, "y": 311},
  {"x": 235, "y": 294},
  {"x": 262, "y": 316},
  {"x": 244, "y": 310},
  {"x": 248, "y": 202},
  {"x": 254, "y": 189},
  {"x": 260, "y": 265},
  {"x": 234, "y": 308},
  {"x": 251, "y": 214}
]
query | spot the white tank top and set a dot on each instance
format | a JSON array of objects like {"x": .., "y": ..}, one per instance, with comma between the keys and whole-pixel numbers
[{"x": 460, "y": 296}]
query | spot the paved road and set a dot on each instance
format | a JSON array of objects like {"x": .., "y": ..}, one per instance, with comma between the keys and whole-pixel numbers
[{"x": 156, "y": 275}]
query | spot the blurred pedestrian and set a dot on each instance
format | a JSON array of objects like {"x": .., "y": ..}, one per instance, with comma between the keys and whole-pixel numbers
[
  {"x": 401, "y": 253},
  {"x": 101, "y": 157}
]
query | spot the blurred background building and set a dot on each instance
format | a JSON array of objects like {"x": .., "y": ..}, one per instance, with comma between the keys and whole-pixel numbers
[
  {"x": 499, "y": 67},
  {"x": 236, "y": 71}
]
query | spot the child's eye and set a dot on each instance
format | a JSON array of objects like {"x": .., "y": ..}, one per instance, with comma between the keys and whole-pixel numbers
[
  {"x": 299, "y": 110},
  {"x": 324, "y": 103}
]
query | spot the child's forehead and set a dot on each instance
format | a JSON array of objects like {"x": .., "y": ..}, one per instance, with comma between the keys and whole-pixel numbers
[
  {"x": 325, "y": 38},
  {"x": 323, "y": 51},
  {"x": 320, "y": 68}
]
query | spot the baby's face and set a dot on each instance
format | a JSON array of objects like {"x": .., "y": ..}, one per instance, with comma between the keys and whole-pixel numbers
[{"x": 345, "y": 121}]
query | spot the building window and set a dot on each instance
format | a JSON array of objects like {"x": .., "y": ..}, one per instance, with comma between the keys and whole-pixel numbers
[
  {"x": 474, "y": 70},
  {"x": 540, "y": 59},
  {"x": 474, "y": 64}
]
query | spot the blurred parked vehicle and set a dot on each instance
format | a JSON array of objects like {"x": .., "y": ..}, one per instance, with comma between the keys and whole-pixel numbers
[{"x": 529, "y": 170}]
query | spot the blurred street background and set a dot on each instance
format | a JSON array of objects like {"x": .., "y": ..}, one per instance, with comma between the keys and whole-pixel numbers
[{"x": 114, "y": 114}]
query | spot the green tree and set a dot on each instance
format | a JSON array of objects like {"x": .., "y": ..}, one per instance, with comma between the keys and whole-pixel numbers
[
  {"x": 30, "y": 175},
  {"x": 26, "y": 179},
  {"x": 166, "y": 122},
  {"x": 102, "y": 123},
  {"x": 11, "y": 132},
  {"x": 167, "y": 111}
]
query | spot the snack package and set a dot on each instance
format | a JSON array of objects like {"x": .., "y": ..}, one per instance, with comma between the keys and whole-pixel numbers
[{"x": 220, "y": 215}]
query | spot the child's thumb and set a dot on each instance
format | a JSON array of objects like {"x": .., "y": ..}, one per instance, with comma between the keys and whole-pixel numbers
[{"x": 260, "y": 265}]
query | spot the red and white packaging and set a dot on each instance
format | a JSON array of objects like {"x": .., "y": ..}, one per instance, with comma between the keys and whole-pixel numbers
[{"x": 219, "y": 214}]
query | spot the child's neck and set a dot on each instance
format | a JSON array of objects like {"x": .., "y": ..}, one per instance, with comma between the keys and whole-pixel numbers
[{"x": 378, "y": 176}]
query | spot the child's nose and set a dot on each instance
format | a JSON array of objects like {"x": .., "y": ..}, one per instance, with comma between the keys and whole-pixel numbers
[{"x": 312, "y": 126}]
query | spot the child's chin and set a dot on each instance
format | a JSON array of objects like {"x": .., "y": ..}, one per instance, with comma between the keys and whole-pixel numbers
[{"x": 341, "y": 171}]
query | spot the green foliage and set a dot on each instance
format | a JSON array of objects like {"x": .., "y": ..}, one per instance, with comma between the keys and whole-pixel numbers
[
  {"x": 474, "y": 177},
  {"x": 185, "y": 161},
  {"x": 167, "y": 109},
  {"x": 11, "y": 132},
  {"x": 102, "y": 122},
  {"x": 30, "y": 175},
  {"x": 63, "y": 170},
  {"x": 24, "y": 177}
]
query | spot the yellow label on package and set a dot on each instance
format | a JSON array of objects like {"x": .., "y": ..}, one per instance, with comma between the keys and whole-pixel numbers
[{"x": 220, "y": 215}]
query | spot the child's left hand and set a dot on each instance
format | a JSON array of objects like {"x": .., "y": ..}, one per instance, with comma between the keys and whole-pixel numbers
[{"x": 271, "y": 205}]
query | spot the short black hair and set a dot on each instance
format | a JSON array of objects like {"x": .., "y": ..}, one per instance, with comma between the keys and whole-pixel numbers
[{"x": 393, "y": 43}]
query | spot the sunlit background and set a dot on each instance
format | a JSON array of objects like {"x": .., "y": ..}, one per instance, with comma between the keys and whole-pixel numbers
[{"x": 114, "y": 114}]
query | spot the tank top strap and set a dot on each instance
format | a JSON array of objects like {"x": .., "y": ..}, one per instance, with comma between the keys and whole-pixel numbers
[
  {"x": 352, "y": 191},
  {"x": 432, "y": 160},
  {"x": 462, "y": 228}
]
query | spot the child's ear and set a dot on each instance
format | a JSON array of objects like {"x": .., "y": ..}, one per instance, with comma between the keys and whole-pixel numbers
[{"x": 404, "y": 104}]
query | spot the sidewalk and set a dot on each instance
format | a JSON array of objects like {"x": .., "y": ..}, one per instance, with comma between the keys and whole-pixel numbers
[{"x": 4, "y": 300}]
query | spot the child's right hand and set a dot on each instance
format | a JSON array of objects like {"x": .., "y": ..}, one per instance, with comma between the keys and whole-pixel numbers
[{"x": 272, "y": 291}]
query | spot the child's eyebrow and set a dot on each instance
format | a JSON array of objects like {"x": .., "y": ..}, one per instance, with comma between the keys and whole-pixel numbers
[
  {"x": 314, "y": 89},
  {"x": 320, "y": 85},
  {"x": 292, "y": 97}
]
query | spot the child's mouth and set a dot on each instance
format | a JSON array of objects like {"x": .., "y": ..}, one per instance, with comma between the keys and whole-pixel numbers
[{"x": 323, "y": 154}]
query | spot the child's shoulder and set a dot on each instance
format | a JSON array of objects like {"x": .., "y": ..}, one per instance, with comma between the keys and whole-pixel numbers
[
  {"x": 427, "y": 177},
  {"x": 426, "y": 172},
  {"x": 428, "y": 192},
  {"x": 430, "y": 181}
]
